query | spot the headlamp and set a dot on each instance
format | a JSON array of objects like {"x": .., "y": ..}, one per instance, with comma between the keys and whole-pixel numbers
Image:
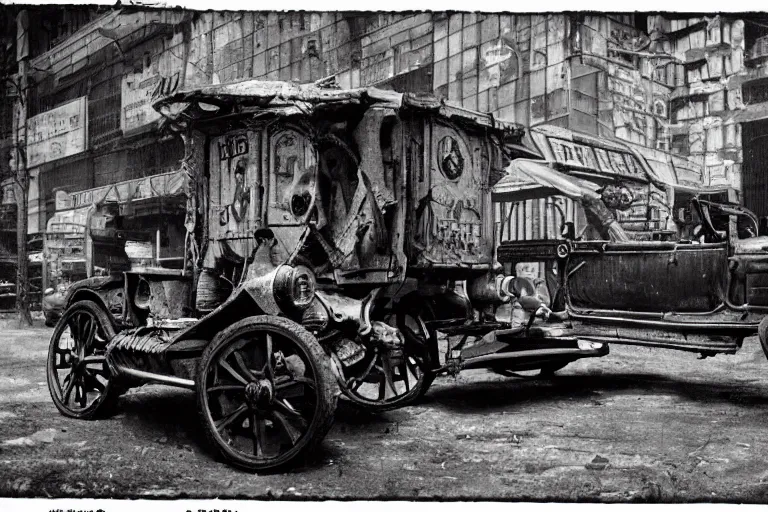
[{"x": 294, "y": 287}]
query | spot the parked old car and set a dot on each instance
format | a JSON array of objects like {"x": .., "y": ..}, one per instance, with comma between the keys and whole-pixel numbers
[
  {"x": 326, "y": 230},
  {"x": 694, "y": 281},
  {"x": 147, "y": 213}
]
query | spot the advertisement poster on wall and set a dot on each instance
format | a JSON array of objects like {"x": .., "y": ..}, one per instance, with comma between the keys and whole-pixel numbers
[
  {"x": 160, "y": 76},
  {"x": 57, "y": 133}
]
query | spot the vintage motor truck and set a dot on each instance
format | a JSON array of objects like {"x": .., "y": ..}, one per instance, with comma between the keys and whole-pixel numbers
[
  {"x": 699, "y": 283},
  {"x": 326, "y": 230}
]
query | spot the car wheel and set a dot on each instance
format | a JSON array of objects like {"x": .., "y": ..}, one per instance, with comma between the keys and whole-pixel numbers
[
  {"x": 384, "y": 380},
  {"x": 545, "y": 372},
  {"x": 549, "y": 370},
  {"x": 79, "y": 378},
  {"x": 265, "y": 393},
  {"x": 762, "y": 334}
]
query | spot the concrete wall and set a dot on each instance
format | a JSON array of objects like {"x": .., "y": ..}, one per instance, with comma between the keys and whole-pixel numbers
[
  {"x": 560, "y": 69},
  {"x": 711, "y": 58}
]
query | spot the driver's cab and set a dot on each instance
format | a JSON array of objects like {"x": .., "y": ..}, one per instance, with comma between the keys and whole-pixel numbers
[{"x": 711, "y": 215}]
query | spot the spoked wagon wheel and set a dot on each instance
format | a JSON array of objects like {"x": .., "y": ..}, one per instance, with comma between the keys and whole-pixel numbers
[
  {"x": 79, "y": 379},
  {"x": 387, "y": 379},
  {"x": 265, "y": 392}
]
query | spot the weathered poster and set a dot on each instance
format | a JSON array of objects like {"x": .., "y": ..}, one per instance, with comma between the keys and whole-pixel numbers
[
  {"x": 159, "y": 77},
  {"x": 452, "y": 224},
  {"x": 234, "y": 186},
  {"x": 57, "y": 133}
]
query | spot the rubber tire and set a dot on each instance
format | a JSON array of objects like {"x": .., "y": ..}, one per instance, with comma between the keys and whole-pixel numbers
[
  {"x": 108, "y": 400},
  {"x": 414, "y": 300},
  {"x": 762, "y": 334},
  {"x": 327, "y": 390},
  {"x": 545, "y": 372},
  {"x": 550, "y": 369}
]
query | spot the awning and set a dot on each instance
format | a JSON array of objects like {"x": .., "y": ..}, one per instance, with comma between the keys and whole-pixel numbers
[
  {"x": 531, "y": 179},
  {"x": 535, "y": 179},
  {"x": 161, "y": 185},
  {"x": 68, "y": 221}
]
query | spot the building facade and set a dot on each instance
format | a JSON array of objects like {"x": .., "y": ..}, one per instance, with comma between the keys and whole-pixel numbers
[{"x": 686, "y": 86}]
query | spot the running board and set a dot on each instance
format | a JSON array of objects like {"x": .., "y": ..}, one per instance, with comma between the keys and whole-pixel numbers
[
  {"x": 650, "y": 322},
  {"x": 720, "y": 348},
  {"x": 484, "y": 361},
  {"x": 662, "y": 338}
]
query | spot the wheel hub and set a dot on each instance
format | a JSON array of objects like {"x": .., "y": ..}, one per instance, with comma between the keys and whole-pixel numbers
[{"x": 260, "y": 394}]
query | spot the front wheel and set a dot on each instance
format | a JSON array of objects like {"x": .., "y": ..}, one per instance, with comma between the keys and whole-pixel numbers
[
  {"x": 265, "y": 393},
  {"x": 79, "y": 379}
]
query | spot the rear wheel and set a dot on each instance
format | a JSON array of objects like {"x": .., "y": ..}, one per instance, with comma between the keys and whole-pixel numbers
[
  {"x": 388, "y": 379},
  {"x": 549, "y": 370},
  {"x": 79, "y": 379},
  {"x": 265, "y": 393},
  {"x": 546, "y": 371},
  {"x": 762, "y": 333}
]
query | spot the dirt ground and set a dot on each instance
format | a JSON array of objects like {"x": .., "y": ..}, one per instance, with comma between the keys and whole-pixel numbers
[{"x": 637, "y": 425}]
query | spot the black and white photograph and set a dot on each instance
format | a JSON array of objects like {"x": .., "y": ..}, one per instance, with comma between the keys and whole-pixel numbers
[{"x": 383, "y": 255}]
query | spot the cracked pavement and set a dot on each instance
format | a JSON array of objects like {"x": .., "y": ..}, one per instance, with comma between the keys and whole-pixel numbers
[{"x": 638, "y": 425}]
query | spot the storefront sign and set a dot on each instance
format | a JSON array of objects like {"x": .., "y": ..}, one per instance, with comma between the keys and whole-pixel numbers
[
  {"x": 57, "y": 133},
  {"x": 601, "y": 160},
  {"x": 141, "y": 90},
  {"x": 68, "y": 221}
]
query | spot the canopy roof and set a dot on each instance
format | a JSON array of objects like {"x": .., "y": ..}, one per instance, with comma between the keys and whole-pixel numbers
[
  {"x": 287, "y": 98},
  {"x": 603, "y": 158},
  {"x": 535, "y": 179},
  {"x": 168, "y": 184},
  {"x": 559, "y": 132}
]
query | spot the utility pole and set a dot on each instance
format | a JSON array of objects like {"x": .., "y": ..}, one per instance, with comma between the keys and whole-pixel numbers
[{"x": 19, "y": 152}]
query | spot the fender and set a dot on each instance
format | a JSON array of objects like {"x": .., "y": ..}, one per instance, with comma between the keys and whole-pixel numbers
[
  {"x": 87, "y": 294},
  {"x": 90, "y": 288},
  {"x": 93, "y": 285}
]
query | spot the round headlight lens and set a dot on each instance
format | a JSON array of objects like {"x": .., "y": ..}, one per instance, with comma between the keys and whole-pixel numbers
[
  {"x": 303, "y": 288},
  {"x": 295, "y": 287}
]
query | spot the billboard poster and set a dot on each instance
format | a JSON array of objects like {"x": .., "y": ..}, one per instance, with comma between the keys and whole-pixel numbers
[
  {"x": 159, "y": 78},
  {"x": 57, "y": 133}
]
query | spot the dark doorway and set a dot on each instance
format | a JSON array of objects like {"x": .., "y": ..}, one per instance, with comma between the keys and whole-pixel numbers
[{"x": 754, "y": 170}]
